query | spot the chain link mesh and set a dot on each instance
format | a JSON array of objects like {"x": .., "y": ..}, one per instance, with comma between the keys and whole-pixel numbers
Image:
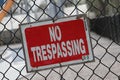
[{"x": 104, "y": 16}]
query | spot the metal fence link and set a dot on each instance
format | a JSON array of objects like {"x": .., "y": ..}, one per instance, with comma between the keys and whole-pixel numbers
[{"x": 104, "y": 17}]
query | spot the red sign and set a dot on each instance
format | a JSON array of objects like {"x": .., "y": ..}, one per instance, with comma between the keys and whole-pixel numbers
[{"x": 50, "y": 44}]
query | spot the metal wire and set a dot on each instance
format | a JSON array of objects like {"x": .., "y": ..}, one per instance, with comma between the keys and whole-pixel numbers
[{"x": 104, "y": 17}]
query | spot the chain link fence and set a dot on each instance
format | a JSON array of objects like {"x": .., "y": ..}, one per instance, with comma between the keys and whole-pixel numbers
[{"x": 104, "y": 16}]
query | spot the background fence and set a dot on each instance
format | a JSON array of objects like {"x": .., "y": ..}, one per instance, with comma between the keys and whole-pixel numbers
[{"x": 104, "y": 16}]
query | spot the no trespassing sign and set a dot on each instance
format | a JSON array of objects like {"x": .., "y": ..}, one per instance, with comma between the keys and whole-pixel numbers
[{"x": 50, "y": 44}]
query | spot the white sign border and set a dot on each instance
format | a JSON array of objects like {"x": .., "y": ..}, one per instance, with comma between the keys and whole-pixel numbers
[{"x": 87, "y": 58}]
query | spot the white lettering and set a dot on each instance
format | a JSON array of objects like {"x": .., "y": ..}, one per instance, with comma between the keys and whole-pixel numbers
[
  {"x": 59, "y": 52},
  {"x": 53, "y": 50},
  {"x": 33, "y": 51},
  {"x": 64, "y": 49},
  {"x": 82, "y": 46},
  {"x": 55, "y": 33},
  {"x": 43, "y": 50},
  {"x": 38, "y": 52},
  {"x": 52, "y": 34},
  {"x": 49, "y": 52},
  {"x": 76, "y": 47},
  {"x": 58, "y": 33},
  {"x": 69, "y": 48}
]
